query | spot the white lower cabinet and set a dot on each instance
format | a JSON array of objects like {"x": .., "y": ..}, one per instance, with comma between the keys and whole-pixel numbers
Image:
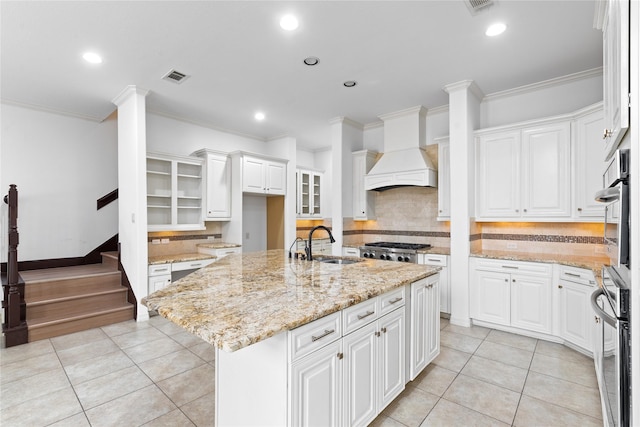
[
  {"x": 374, "y": 367},
  {"x": 575, "y": 315},
  {"x": 424, "y": 328},
  {"x": 516, "y": 294},
  {"x": 316, "y": 388},
  {"x": 437, "y": 260}
]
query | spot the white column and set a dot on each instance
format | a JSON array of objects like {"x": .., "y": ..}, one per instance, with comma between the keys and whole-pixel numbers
[
  {"x": 132, "y": 190},
  {"x": 464, "y": 117}
]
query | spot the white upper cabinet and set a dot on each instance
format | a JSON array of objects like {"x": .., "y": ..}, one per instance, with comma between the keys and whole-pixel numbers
[
  {"x": 589, "y": 164},
  {"x": 546, "y": 171},
  {"x": 174, "y": 193},
  {"x": 444, "y": 179},
  {"x": 309, "y": 195},
  {"x": 363, "y": 200},
  {"x": 263, "y": 176},
  {"x": 615, "y": 30},
  {"x": 217, "y": 185},
  {"x": 498, "y": 175}
]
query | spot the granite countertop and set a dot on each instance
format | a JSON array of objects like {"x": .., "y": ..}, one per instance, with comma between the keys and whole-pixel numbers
[
  {"x": 436, "y": 250},
  {"x": 246, "y": 298},
  {"x": 164, "y": 259},
  {"x": 218, "y": 245},
  {"x": 593, "y": 263}
]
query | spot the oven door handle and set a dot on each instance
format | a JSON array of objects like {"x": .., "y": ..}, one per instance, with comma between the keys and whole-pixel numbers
[
  {"x": 607, "y": 195},
  {"x": 600, "y": 312}
]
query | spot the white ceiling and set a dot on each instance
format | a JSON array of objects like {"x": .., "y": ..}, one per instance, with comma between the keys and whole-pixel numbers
[{"x": 240, "y": 61}]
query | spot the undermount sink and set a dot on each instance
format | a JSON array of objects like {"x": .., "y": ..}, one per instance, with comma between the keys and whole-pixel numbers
[{"x": 343, "y": 261}]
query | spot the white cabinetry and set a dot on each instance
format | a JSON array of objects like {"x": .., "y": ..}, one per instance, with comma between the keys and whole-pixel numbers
[
  {"x": 615, "y": 73},
  {"x": 220, "y": 253},
  {"x": 218, "y": 185},
  {"x": 524, "y": 173},
  {"x": 348, "y": 251},
  {"x": 515, "y": 294},
  {"x": 437, "y": 260},
  {"x": 263, "y": 176},
  {"x": 159, "y": 276},
  {"x": 309, "y": 196},
  {"x": 588, "y": 165},
  {"x": 444, "y": 179},
  {"x": 424, "y": 325},
  {"x": 363, "y": 200},
  {"x": 574, "y": 313},
  {"x": 174, "y": 193}
]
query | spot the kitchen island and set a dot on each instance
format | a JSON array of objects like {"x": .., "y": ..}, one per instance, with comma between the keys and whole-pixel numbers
[{"x": 248, "y": 306}]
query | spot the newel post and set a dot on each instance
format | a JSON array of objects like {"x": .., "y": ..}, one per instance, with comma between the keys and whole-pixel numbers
[{"x": 15, "y": 327}]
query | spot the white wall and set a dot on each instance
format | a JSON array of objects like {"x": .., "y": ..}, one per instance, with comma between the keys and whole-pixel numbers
[{"x": 61, "y": 165}]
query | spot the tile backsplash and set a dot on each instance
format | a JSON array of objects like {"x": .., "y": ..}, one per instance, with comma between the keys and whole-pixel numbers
[{"x": 181, "y": 242}]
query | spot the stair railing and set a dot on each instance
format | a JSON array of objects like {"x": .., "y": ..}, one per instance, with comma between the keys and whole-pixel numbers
[{"x": 15, "y": 326}]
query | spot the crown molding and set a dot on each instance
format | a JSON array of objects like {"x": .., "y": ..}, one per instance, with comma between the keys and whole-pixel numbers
[
  {"x": 346, "y": 121},
  {"x": 419, "y": 109},
  {"x": 127, "y": 92},
  {"x": 50, "y": 110},
  {"x": 557, "y": 81}
]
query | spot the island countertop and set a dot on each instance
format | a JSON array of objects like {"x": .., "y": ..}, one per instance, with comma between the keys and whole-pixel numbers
[{"x": 246, "y": 298}]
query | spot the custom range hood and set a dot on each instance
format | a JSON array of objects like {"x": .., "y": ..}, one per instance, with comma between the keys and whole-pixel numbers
[{"x": 404, "y": 161}]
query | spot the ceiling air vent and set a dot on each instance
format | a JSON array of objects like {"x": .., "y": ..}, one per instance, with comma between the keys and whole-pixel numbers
[
  {"x": 175, "y": 76},
  {"x": 476, "y": 6}
]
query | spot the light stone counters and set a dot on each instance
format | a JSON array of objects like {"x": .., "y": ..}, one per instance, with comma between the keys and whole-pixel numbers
[
  {"x": 164, "y": 259},
  {"x": 594, "y": 263},
  {"x": 246, "y": 298},
  {"x": 217, "y": 245}
]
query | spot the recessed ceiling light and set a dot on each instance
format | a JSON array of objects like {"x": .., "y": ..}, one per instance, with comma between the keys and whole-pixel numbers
[
  {"x": 312, "y": 60},
  {"x": 92, "y": 58},
  {"x": 350, "y": 83},
  {"x": 288, "y": 22},
  {"x": 495, "y": 29},
  {"x": 259, "y": 116}
]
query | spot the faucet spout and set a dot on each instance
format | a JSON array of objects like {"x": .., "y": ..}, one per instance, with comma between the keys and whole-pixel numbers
[{"x": 308, "y": 248}]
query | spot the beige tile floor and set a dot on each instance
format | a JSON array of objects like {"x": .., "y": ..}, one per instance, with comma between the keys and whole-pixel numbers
[{"x": 156, "y": 374}]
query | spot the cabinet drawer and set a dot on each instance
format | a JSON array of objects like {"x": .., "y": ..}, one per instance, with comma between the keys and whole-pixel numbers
[
  {"x": 577, "y": 275},
  {"x": 507, "y": 266},
  {"x": 223, "y": 252},
  {"x": 190, "y": 265},
  {"x": 158, "y": 269},
  {"x": 434, "y": 260},
  {"x": 359, "y": 315},
  {"x": 314, "y": 335},
  {"x": 391, "y": 300},
  {"x": 351, "y": 252}
]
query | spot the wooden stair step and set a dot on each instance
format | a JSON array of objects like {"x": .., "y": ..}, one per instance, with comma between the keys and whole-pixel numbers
[
  {"x": 68, "y": 281},
  {"x": 43, "y": 329},
  {"x": 75, "y": 304},
  {"x": 110, "y": 259}
]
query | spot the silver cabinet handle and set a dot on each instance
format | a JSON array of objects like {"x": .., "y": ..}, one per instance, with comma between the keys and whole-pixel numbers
[
  {"x": 367, "y": 314},
  {"x": 434, "y": 260},
  {"x": 515, "y": 267},
  {"x": 326, "y": 332},
  {"x": 197, "y": 264},
  {"x": 572, "y": 274},
  {"x": 393, "y": 301},
  {"x": 160, "y": 269},
  {"x": 607, "y": 133}
]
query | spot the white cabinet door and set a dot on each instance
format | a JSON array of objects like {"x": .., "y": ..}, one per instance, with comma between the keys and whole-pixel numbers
[
  {"x": 531, "y": 303},
  {"x": 589, "y": 165},
  {"x": 363, "y": 200},
  {"x": 425, "y": 318},
  {"x": 444, "y": 180},
  {"x": 308, "y": 187},
  {"x": 360, "y": 375},
  {"x": 493, "y": 297},
  {"x": 253, "y": 175},
  {"x": 316, "y": 388},
  {"x": 391, "y": 357},
  {"x": 498, "y": 175},
  {"x": 276, "y": 178},
  {"x": 616, "y": 73},
  {"x": 159, "y": 282},
  {"x": 218, "y": 187},
  {"x": 546, "y": 171},
  {"x": 575, "y": 314}
]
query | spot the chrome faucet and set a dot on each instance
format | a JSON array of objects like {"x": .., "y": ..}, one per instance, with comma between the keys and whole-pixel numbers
[{"x": 308, "y": 248}]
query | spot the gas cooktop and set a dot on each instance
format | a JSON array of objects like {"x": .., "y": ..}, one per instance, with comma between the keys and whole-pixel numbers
[{"x": 396, "y": 245}]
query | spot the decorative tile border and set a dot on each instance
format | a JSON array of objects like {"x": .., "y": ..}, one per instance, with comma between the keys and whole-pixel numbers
[
  {"x": 398, "y": 233},
  {"x": 176, "y": 237},
  {"x": 598, "y": 240}
]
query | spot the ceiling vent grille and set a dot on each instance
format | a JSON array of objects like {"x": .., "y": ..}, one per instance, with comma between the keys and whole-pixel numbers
[
  {"x": 175, "y": 76},
  {"x": 476, "y": 6}
]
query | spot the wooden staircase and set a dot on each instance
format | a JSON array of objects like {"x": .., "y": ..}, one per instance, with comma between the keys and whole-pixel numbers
[{"x": 63, "y": 300}]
